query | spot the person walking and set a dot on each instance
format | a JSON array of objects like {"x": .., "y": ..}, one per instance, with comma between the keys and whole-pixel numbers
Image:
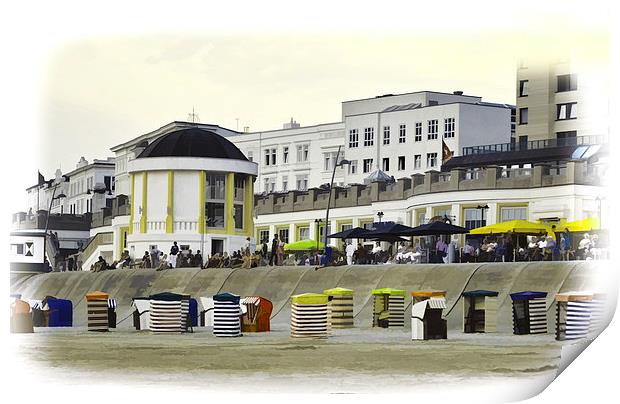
[
  {"x": 274, "y": 250},
  {"x": 280, "y": 253},
  {"x": 350, "y": 250},
  {"x": 172, "y": 257},
  {"x": 441, "y": 250}
]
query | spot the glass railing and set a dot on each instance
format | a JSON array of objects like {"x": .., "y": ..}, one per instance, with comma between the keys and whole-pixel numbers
[{"x": 535, "y": 144}]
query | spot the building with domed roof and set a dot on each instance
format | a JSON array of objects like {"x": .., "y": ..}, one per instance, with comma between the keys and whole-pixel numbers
[{"x": 190, "y": 185}]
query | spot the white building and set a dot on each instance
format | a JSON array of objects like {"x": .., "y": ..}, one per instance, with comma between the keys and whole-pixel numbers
[
  {"x": 81, "y": 188},
  {"x": 400, "y": 134}
]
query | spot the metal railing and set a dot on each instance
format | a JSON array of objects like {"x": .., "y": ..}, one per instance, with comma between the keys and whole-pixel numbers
[{"x": 534, "y": 144}]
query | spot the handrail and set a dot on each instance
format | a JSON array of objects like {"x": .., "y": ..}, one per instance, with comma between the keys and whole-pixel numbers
[{"x": 535, "y": 144}]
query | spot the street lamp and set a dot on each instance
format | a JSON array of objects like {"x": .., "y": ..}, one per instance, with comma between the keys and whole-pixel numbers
[
  {"x": 317, "y": 225},
  {"x": 599, "y": 201},
  {"x": 482, "y": 208},
  {"x": 380, "y": 214},
  {"x": 331, "y": 185}
]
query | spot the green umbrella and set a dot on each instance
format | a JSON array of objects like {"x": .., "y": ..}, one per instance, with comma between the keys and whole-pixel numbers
[{"x": 303, "y": 245}]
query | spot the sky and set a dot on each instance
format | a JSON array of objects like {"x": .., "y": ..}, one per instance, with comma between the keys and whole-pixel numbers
[{"x": 89, "y": 85}]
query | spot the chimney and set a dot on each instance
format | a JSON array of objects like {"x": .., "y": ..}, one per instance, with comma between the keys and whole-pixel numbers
[
  {"x": 291, "y": 125},
  {"x": 246, "y": 129},
  {"x": 457, "y": 92}
]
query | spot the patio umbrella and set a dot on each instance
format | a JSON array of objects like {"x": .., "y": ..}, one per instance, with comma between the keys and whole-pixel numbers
[
  {"x": 514, "y": 226},
  {"x": 437, "y": 228},
  {"x": 387, "y": 229},
  {"x": 355, "y": 232},
  {"x": 581, "y": 225},
  {"x": 303, "y": 245}
]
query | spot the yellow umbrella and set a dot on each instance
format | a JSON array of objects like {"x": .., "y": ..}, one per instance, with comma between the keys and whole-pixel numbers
[
  {"x": 582, "y": 225},
  {"x": 514, "y": 226}
]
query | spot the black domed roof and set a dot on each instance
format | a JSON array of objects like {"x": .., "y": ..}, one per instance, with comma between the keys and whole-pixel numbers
[{"x": 193, "y": 142}]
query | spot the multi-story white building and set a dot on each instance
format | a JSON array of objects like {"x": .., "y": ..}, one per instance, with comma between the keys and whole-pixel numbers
[
  {"x": 75, "y": 192},
  {"x": 400, "y": 134}
]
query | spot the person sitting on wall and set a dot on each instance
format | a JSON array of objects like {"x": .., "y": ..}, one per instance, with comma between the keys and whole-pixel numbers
[
  {"x": 146, "y": 260},
  {"x": 163, "y": 263},
  {"x": 361, "y": 256},
  {"x": 100, "y": 265}
]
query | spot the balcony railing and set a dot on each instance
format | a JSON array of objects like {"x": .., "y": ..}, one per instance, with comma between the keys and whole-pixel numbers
[{"x": 534, "y": 144}]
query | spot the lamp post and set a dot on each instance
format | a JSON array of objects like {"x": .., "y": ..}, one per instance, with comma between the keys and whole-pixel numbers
[
  {"x": 482, "y": 208},
  {"x": 599, "y": 201},
  {"x": 317, "y": 224},
  {"x": 380, "y": 214},
  {"x": 331, "y": 185},
  {"x": 47, "y": 216}
]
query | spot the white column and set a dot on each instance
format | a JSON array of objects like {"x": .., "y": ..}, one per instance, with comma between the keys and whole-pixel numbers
[
  {"x": 456, "y": 212},
  {"x": 490, "y": 215}
]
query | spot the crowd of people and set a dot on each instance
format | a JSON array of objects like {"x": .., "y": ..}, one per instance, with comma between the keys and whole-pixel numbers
[{"x": 436, "y": 249}]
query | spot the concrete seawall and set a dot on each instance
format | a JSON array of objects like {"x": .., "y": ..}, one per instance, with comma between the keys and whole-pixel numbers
[{"x": 279, "y": 283}]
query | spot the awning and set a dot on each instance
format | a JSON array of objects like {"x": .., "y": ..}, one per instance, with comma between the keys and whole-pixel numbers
[
  {"x": 514, "y": 226},
  {"x": 480, "y": 293},
  {"x": 338, "y": 292},
  {"x": 389, "y": 291}
]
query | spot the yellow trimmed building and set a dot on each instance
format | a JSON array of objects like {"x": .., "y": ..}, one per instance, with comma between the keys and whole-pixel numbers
[{"x": 192, "y": 186}]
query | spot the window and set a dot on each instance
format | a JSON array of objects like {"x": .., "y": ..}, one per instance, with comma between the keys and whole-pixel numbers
[
  {"x": 302, "y": 153},
  {"x": 304, "y": 233},
  {"x": 401, "y": 163},
  {"x": 263, "y": 235},
  {"x": 386, "y": 164},
  {"x": 329, "y": 160},
  {"x": 417, "y": 161},
  {"x": 367, "y": 165},
  {"x": 448, "y": 127},
  {"x": 432, "y": 102},
  {"x": 523, "y": 88},
  {"x": 238, "y": 216},
  {"x": 402, "y": 133},
  {"x": 250, "y": 156},
  {"x": 433, "y": 128},
  {"x": 567, "y": 82},
  {"x": 353, "y": 167},
  {"x": 216, "y": 187},
  {"x": 266, "y": 185},
  {"x": 283, "y": 235},
  {"x": 567, "y": 138},
  {"x": 369, "y": 136},
  {"x": 273, "y": 157},
  {"x": 239, "y": 189},
  {"x": 216, "y": 194},
  {"x": 238, "y": 199},
  {"x": 523, "y": 118},
  {"x": 302, "y": 182},
  {"x": 267, "y": 157},
  {"x": 513, "y": 214},
  {"x": 285, "y": 183},
  {"x": 418, "y": 132},
  {"x": 473, "y": 218},
  {"x": 431, "y": 160},
  {"x": 421, "y": 217},
  {"x": 386, "y": 135},
  {"x": 567, "y": 111},
  {"x": 285, "y": 155},
  {"x": 353, "y": 138}
]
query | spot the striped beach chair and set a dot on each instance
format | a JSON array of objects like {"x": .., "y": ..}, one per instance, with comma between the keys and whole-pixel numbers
[
  {"x": 226, "y": 315},
  {"x": 529, "y": 312}
]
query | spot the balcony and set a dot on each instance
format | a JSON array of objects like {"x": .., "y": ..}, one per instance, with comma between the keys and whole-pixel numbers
[{"x": 534, "y": 145}]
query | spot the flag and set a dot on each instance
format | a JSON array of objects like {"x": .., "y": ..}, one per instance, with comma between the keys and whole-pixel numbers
[
  {"x": 446, "y": 153},
  {"x": 41, "y": 178}
]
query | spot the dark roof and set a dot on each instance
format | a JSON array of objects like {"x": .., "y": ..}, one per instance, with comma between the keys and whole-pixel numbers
[
  {"x": 480, "y": 293},
  {"x": 193, "y": 142},
  {"x": 510, "y": 157},
  {"x": 527, "y": 295}
]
